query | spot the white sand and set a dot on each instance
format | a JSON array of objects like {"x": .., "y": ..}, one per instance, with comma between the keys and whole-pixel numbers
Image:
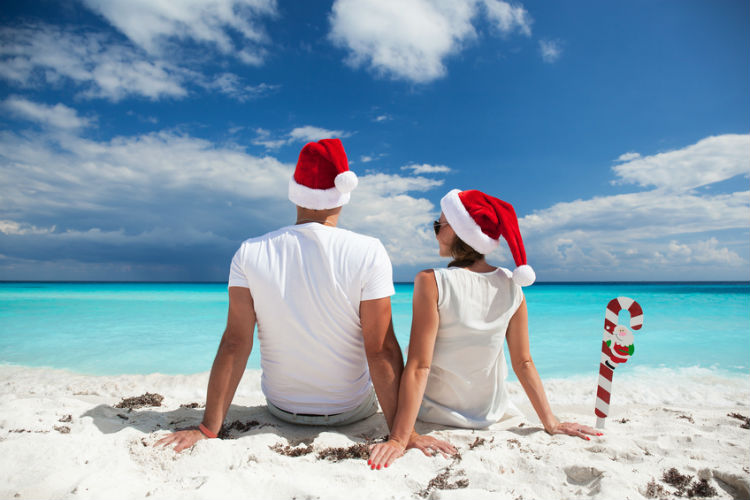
[{"x": 674, "y": 419}]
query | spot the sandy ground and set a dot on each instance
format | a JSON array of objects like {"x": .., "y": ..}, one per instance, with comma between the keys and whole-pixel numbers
[{"x": 62, "y": 437}]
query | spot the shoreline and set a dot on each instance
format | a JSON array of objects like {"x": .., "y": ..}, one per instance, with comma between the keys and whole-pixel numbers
[
  {"x": 635, "y": 370},
  {"x": 680, "y": 419}
]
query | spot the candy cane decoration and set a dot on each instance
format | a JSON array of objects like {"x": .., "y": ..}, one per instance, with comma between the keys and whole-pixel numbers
[{"x": 617, "y": 347}]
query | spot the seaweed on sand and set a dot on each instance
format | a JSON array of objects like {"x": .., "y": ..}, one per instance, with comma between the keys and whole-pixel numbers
[
  {"x": 477, "y": 442},
  {"x": 680, "y": 481},
  {"x": 746, "y": 420},
  {"x": 292, "y": 452},
  {"x": 225, "y": 432},
  {"x": 655, "y": 490},
  {"x": 442, "y": 482},
  {"x": 136, "y": 402},
  {"x": 702, "y": 489},
  {"x": 359, "y": 450}
]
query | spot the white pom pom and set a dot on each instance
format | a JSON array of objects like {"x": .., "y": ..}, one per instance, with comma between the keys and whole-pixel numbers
[
  {"x": 524, "y": 275},
  {"x": 346, "y": 181}
]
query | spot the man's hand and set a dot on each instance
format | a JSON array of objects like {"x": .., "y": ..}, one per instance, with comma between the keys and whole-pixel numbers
[{"x": 182, "y": 439}]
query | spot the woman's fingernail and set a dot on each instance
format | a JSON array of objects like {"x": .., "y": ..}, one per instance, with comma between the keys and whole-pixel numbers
[
  {"x": 599, "y": 434},
  {"x": 588, "y": 438},
  {"x": 378, "y": 467},
  {"x": 369, "y": 462},
  {"x": 386, "y": 465}
]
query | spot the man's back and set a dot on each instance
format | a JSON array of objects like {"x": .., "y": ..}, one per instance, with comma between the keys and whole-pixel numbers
[
  {"x": 307, "y": 282},
  {"x": 321, "y": 299}
]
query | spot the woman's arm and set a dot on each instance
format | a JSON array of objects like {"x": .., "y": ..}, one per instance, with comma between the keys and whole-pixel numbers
[
  {"x": 424, "y": 328},
  {"x": 517, "y": 337}
]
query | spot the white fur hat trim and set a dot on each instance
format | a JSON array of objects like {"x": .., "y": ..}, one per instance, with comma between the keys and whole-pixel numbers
[
  {"x": 463, "y": 224},
  {"x": 316, "y": 199}
]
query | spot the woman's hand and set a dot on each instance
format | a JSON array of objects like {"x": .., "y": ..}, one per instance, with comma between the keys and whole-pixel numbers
[
  {"x": 430, "y": 446},
  {"x": 384, "y": 454},
  {"x": 182, "y": 439},
  {"x": 574, "y": 429}
]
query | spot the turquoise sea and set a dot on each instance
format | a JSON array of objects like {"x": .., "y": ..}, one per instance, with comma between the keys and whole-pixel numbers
[{"x": 175, "y": 328}]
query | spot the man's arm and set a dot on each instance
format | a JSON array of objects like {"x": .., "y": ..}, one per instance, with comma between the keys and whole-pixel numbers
[
  {"x": 383, "y": 353},
  {"x": 227, "y": 370}
]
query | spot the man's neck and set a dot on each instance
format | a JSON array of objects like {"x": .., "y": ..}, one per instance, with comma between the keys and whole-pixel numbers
[
  {"x": 325, "y": 217},
  {"x": 324, "y": 222}
]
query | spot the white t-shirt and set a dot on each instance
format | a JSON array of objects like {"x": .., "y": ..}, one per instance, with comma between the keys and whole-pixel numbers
[
  {"x": 307, "y": 282},
  {"x": 466, "y": 384}
]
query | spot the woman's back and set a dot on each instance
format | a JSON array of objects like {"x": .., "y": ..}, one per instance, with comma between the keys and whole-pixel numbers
[{"x": 466, "y": 385}]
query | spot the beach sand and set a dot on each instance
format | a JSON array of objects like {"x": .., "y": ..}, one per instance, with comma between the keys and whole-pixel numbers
[{"x": 61, "y": 436}]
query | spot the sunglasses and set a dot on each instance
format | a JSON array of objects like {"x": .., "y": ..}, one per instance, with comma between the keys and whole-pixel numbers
[{"x": 437, "y": 225}]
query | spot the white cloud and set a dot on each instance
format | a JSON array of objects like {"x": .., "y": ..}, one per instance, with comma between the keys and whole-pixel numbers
[
  {"x": 381, "y": 118},
  {"x": 551, "y": 50},
  {"x": 13, "y": 227},
  {"x": 389, "y": 184},
  {"x": 507, "y": 17},
  {"x": 410, "y": 40},
  {"x": 427, "y": 169},
  {"x": 41, "y": 54},
  {"x": 101, "y": 67},
  {"x": 654, "y": 234},
  {"x": 382, "y": 206},
  {"x": 635, "y": 216},
  {"x": 263, "y": 138},
  {"x": 372, "y": 157},
  {"x": 307, "y": 133},
  {"x": 232, "y": 85},
  {"x": 57, "y": 116},
  {"x": 153, "y": 24},
  {"x": 169, "y": 202},
  {"x": 629, "y": 156},
  {"x": 710, "y": 160},
  {"x": 54, "y": 172},
  {"x": 704, "y": 252}
]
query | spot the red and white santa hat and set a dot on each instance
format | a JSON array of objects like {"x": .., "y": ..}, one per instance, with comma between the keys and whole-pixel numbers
[
  {"x": 322, "y": 178},
  {"x": 479, "y": 220}
]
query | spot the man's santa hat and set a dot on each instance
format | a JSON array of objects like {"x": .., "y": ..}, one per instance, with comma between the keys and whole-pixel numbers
[
  {"x": 479, "y": 220},
  {"x": 322, "y": 178}
]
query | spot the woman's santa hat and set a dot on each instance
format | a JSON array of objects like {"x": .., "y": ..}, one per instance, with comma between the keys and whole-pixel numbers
[
  {"x": 479, "y": 220},
  {"x": 322, "y": 178}
]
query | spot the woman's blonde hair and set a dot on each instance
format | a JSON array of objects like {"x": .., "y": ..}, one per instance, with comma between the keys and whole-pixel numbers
[{"x": 463, "y": 255}]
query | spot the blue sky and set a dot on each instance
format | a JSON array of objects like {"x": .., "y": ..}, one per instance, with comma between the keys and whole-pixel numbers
[{"x": 144, "y": 140}]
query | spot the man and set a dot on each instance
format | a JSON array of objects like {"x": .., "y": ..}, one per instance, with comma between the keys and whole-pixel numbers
[{"x": 320, "y": 296}]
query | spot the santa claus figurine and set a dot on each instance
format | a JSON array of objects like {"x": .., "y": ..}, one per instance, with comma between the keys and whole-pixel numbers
[{"x": 620, "y": 344}]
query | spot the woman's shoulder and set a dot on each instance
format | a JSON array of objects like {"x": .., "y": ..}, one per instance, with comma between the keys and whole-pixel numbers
[
  {"x": 425, "y": 282},
  {"x": 424, "y": 276}
]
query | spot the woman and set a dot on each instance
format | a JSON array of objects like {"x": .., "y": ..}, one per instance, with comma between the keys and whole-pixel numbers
[{"x": 455, "y": 373}]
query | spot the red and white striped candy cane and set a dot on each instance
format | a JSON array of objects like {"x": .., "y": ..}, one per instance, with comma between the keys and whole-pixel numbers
[{"x": 613, "y": 356}]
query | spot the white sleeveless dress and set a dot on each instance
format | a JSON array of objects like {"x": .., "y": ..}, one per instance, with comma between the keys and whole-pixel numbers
[{"x": 466, "y": 384}]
